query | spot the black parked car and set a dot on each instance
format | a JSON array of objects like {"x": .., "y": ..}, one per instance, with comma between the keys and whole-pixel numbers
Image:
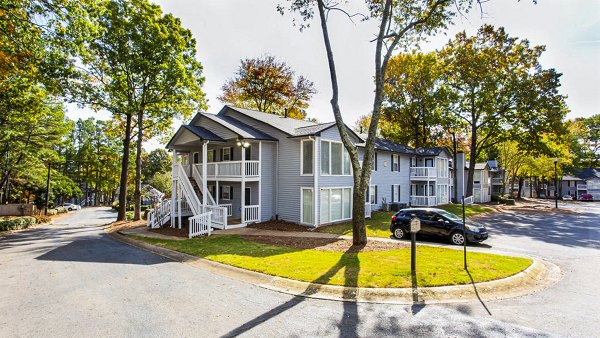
[{"x": 437, "y": 222}]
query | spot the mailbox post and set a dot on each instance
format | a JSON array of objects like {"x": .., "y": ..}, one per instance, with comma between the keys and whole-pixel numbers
[{"x": 415, "y": 226}]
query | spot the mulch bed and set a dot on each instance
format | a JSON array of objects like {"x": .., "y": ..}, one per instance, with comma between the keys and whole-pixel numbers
[
  {"x": 281, "y": 226},
  {"x": 123, "y": 225},
  {"x": 183, "y": 232},
  {"x": 326, "y": 244}
]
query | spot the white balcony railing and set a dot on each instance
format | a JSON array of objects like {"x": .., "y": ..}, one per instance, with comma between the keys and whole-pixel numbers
[
  {"x": 423, "y": 172},
  {"x": 425, "y": 201},
  {"x": 229, "y": 208},
  {"x": 251, "y": 213},
  {"x": 496, "y": 181},
  {"x": 582, "y": 187},
  {"x": 231, "y": 169}
]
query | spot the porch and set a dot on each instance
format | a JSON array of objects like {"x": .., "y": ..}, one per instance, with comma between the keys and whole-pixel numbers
[{"x": 429, "y": 194}]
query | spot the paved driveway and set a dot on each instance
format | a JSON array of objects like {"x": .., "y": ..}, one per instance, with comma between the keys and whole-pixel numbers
[{"x": 70, "y": 279}]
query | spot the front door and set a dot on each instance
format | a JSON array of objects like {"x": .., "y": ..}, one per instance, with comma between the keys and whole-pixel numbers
[{"x": 248, "y": 194}]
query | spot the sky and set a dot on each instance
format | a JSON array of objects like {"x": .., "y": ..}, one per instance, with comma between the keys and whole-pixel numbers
[{"x": 227, "y": 31}]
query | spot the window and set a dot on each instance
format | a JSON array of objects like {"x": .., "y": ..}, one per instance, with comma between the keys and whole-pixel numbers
[
  {"x": 210, "y": 156},
  {"x": 372, "y": 194},
  {"x": 335, "y": 159},
  {"x": 477, "y": 176},
  {"x": 307, "y": 155},
  {"x": 307, "y": 206},
  {"x": 442, "y": 167},
  {"x": 226, "y": 192},
  {"x": 395, "y": 162},
  {"x": 248, "y": 153},
  {"x": 324, "y": 157},
  {"x": 226, "y": 154},
  {"x": 196, "y": 158},
  {"x": 395, "y": 193},
  {"x": 336, "y": 204}
]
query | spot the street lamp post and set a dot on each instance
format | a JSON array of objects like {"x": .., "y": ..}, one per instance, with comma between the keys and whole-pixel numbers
[{"x": 555, "y": 184}]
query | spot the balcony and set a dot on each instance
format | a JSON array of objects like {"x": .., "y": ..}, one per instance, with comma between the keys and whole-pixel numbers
[
  {"x": 423, "y": 173},
  {"x": 423, "y": 201},
  {"x": 496, "y": 181},
  {"x": 235, "y": 170},
  {"x": 582, "y": 187}
]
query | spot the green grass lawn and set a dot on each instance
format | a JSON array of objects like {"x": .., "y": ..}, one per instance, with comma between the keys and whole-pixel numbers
[
  {"x": 379, "y": 224},
  {"x": 435, "y": 266}
]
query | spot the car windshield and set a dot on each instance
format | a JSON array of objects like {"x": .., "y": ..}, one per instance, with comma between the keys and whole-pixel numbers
[{"x": 449, "y": 215}]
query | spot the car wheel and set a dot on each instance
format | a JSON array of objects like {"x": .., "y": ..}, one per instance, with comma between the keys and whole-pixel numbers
[
  {"x": 457, "y": 238},
  {"x": 399, "y": 233}
]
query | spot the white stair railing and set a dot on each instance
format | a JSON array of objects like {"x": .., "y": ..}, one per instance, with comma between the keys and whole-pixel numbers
[
  {"x": 160, "y": 214},
  {"x": 198, "y": 177},
  {"x": 200, "y": 225},
  {"x": 229, "y": 208},
  {"x": 219, "y": 215},
  {"x": 187, "y": 189}
]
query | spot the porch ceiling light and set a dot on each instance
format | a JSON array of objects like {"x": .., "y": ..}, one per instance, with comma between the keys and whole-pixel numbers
[{"x": 242, "y": 143}]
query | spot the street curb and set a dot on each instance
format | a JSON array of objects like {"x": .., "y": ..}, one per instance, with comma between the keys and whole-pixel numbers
[{"x": 538, "y": 276}]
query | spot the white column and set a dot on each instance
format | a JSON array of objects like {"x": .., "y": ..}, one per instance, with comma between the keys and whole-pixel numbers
[
  {"x": 316, "y": 172},
  {"x": 204, "y": 174},
  {"x": 173, "y": 187},
  {"x": 259, "y": 180},
  {"x": 243, "y": 185}
]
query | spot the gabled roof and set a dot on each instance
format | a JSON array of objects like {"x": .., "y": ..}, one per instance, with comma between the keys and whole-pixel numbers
[
  {"x": 317, "y": 129},
  {"x": 287, "y": 125},
  {"x": 586, "y": 173},
  {"x": 383, "y": 144},
  {"x": 431, "y": 151},
  {"x": 200, "y": 132},
  {"x": 478, "y": 166},
  {"x": 241, "y": 129},
  {"x": 493, "y": 164}
]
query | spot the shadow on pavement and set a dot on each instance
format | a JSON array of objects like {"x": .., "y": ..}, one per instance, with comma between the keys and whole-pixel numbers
[
  {"x": 101, "y": 250},
  {"x": 348, "y": 325}
]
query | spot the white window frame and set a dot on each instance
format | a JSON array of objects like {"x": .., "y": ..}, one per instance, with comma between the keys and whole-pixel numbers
[
  {"x": 226, "y": 188},
  {"x": 331, "y": 162},
  {"x": 302, "y": 206},
  {"x": 312, "y": 167},
  {"x": 329, "y": 204},
  {"x": 228, "y": 149},
  {"x": 396, "y": 163},
  {"x": 372, "y": 195},
  {"x": 212, "y": 152},
  {"x": 396, "y": 197}
]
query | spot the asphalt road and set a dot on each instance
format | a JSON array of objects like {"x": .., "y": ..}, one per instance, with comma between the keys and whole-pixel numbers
[{"x": 70, "y": 279}]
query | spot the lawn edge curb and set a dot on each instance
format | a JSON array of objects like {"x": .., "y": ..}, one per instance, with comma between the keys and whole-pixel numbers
[{"x": 538, "y": 276}]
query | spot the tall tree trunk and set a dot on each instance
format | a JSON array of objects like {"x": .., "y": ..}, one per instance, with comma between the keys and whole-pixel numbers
[
  {"x": 124, "y": 171},
  {"x": 137, "y": 195},
  {"x": 520, "y": 187}
]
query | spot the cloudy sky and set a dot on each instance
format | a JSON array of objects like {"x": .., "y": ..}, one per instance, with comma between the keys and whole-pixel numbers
[{"x": 229, "y": 30}]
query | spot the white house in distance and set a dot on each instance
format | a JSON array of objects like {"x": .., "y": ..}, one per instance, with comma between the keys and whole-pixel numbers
[
  {"x": 241, "y": 166},
  {"x": 482, "y": 179}
]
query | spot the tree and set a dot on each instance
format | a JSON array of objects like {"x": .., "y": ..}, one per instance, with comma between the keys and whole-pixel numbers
[
  {"x": 400, "y": 24},
  {"x": 499, "y": 89},
  {"x": 139, "y": 65},
  {"x": 584, "y": 137},
  {"x": 413, "y": 100},
  {"x": 162, "y": 182},
  {"x": 268, "y": 85},
  {"x": 158, "y": 161}
]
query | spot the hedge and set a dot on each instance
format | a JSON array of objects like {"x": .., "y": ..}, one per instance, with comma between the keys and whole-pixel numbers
[{"x": 16, "y": 223}]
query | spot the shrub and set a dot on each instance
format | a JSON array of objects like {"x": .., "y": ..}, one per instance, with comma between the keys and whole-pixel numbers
[
  {"x": 52, "y": 212},
  {"x": 42, "y": 219},
  {"x": 16, "y": 223},
  {"x": 129, "y": 215},
  {"x": 61, "y": 210}
]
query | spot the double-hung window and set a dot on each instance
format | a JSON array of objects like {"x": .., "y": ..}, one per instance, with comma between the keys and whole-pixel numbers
[
  {"x": 371, "y": 194},
  {"x": 307, "y": 156},
  {"x": 395, "y": 193},
  {"x": 395, "y": 162},
  {"x": 335, "y": 159},
  {"x": 307, "y": 206},
  {"x": 226, "y": 154}
]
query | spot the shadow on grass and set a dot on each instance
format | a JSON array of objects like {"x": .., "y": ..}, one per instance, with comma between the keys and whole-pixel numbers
[{"x": 348, "y": 324}]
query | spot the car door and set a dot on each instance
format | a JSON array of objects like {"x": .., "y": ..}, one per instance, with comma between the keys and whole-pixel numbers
[
  {"x": 427, "y": 227},
  {"x": 440, "y": 225}
]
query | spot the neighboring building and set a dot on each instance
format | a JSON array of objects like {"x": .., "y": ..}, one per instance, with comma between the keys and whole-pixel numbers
[
  {"x": 482, "y": 183},
  {"x": 247, "y": 166},
  {"x": 496, "y": 175},
  {"x": 579, "y": 182}
]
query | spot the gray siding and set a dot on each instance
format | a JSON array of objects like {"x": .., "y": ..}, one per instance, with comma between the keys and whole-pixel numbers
[
  {"x": 216, "y": 128},
  {"x": 268, "y": 161},
  {"x": 288, "y": 180}
]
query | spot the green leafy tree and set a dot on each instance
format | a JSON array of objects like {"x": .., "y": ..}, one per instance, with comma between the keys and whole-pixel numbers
[
  {"x": 500, "y": 91},
  {"x": 270, "y": 86},
  {"x": 158, "y": 161},
  {"x": 413, "y": 100},
  {"x": 162, "y": 182},
  {"x": 140, "y": 65}
]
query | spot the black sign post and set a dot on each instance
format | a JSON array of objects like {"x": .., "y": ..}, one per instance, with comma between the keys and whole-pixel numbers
[
  {"x": 464, "y": 233},
  {"x": 415, "y": 226}
]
